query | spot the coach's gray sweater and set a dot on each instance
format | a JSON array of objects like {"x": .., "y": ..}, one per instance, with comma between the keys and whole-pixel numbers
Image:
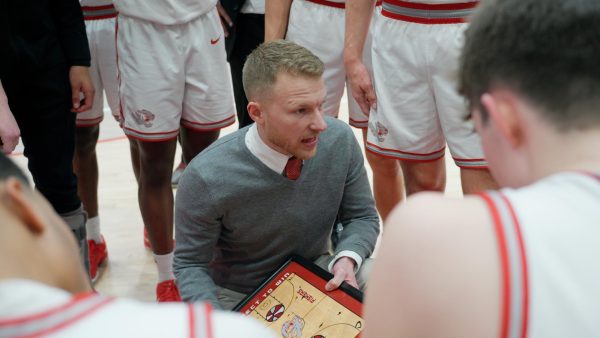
[{"x": 237, "y": 220}]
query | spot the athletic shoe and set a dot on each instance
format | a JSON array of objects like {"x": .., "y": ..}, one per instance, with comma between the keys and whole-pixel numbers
[
  {"x": 97, "y": 255},
  {"x": 177, "y": 174},
  {"x": 167, "y": 291}
]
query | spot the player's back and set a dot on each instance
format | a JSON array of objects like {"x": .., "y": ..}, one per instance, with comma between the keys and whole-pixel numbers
[
  {"x": 548, "y": 238},
  {"x": 32, "y": 309}
]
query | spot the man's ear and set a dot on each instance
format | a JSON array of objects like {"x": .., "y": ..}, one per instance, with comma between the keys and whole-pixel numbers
[
  {"x": 503, "y": 114},
  {"x": 20, "y": 202},
  {"x": 255, "y": 112}
]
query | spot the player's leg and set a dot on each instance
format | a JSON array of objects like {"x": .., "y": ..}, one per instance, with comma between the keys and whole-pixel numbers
[
  {"x": 194, "y": 141},
  {"x": 388, "y": 181},
  {"x": 424, "y": 176},
  {"x": 151, "y": 94},
  {"x": 460, "y": 134},
  {"x": 307, "y": 23}
]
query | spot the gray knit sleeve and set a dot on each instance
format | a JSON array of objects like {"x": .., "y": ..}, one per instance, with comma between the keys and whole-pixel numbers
[
  {"x": 357, "y": 211},
  {"x": 197, "y": 229}
]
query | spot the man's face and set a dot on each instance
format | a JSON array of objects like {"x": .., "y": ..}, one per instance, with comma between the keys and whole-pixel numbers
[{"x": 291, "y": 115}]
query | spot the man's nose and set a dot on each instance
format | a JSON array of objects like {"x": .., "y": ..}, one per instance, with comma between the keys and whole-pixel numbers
[{"x": 318, "y": 123}]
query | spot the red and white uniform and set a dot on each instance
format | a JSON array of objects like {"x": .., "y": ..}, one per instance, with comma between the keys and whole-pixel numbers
[
  {"x": 100, "y": 21},
  {"x": 416, "y": 47},
  {"x": 547, "y": 236},
  {"x": 312, "y": 21},
  {"x": 31, "y": 309},
  {"x": 172, "y": 68}
]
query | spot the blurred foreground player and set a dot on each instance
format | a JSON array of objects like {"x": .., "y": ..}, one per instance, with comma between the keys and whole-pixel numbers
[
  {"x": 521, "y": 262},
  {"x": 44, "y": 290}
]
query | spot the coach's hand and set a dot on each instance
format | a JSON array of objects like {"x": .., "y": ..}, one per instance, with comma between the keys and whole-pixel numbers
[
  {"x": 361, "y": 86},
  {"x": 343, "y": 271},
  {"x": 81, "y": 83}
]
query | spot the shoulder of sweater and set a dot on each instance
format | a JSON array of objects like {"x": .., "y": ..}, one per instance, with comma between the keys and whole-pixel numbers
[{"x": 335, "y": 127}]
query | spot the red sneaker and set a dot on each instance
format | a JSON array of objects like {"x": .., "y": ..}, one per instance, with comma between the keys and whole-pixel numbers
[
  {"x": 167, "y": 292},
  {"x": 97, "y": 255}
]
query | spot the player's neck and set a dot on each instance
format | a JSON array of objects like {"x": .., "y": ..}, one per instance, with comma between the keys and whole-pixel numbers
[{"x": 572, "y": 151}]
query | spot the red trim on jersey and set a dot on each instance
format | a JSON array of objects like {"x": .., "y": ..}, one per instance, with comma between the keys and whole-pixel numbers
[
  {"x": 433, "y": 7},
  {"x": 99, "y": 17},
  {"x": 151, "y": 140},
  {"x": 399, "y": 157},
  {"x": 334, "y": 4},
  {"x": 70, "y": 321},
  {"x": 504, "y": 262},
  {"x": 427, "y": 21},
  {"x": 208, "y": 314},
  {"x": 19, "y": 320},
  {"x": 406, "y": 152},
  {"x": 97, "y": 8},
  {"x": 192, "y": 320},
  {"x": 157, "y": 133},
  {"x": 525, "y": 275},
  {"x": 210, "y": 123}
]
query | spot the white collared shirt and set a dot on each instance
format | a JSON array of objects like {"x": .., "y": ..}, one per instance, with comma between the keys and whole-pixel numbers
[{"x": 277, "y": 161}]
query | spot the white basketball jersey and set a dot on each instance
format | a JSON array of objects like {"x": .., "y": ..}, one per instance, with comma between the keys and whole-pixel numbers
[
  {"x": 165, "y": 12},
  {"x": 31, "y": 309},
  {"x": 549, "y": 241}
]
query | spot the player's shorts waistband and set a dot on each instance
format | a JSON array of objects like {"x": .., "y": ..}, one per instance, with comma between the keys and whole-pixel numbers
[
  {"x": 428, "y": 13},
  {"x": 335, "y": 4},
  {"x": 99, "y": 12}
]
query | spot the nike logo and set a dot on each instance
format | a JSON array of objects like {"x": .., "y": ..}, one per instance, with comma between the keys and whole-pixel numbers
[{"x": 212, "y": 42}]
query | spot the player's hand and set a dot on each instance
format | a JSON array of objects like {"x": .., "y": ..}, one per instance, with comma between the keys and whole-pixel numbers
[
  {"x": 361, "y": 86},
  {"x": 226, "y": 21},
  {"x": 9, "y": 130},
  {"x": 81, "y": 83},
  {"x": 343, "y": 271}
]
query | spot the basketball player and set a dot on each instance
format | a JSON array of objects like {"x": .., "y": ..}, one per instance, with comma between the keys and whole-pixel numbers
[
  {"x": 413, "y": 106},
  {"x": 173, "y": 76},
  {"x": 307, "y": 23},
  {"x": 44, "y": 290},
  {"x": 100, "y": 22},
  {"x": 521, "y": 262}
]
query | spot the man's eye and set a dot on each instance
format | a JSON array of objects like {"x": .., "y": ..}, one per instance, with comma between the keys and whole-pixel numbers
[{"x": 301, "y": 111}]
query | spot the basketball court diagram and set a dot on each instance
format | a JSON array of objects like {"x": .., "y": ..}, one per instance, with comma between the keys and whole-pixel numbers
[{"x": 296, "y": 305}]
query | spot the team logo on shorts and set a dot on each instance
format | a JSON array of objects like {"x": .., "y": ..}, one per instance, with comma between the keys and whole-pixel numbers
[
  {"x": 378, "y": 130},
  {"x": 144, "y": 117}
]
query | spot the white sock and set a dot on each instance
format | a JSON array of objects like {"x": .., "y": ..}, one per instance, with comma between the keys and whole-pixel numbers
[
  {"x": 92, "y": 229},
  {"x": 164, "y": 263}
]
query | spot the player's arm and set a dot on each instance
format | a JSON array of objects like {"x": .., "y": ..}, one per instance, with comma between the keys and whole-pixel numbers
[
  {"x": 438, "y": 272},
  {"x": 358, "y": 18},
  {"x": 9, "y": 130},
  {"x": 277, "y": 13},
  {"x": 197, "y": 232},
  {"x": 357, "y": 214}
]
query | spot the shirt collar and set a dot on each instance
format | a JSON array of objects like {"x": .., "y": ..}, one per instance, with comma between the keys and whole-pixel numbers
[{"x": 273, "y": 159}]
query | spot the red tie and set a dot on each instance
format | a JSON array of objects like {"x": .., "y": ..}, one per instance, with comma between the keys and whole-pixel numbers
[{"x": 292, "y": 168}]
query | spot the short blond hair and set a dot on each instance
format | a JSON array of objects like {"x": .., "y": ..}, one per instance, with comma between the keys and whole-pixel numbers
[{"x": 274, "y": 57}]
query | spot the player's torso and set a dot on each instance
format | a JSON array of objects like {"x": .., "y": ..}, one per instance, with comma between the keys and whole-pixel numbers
[{"x": 559, "y": 218}]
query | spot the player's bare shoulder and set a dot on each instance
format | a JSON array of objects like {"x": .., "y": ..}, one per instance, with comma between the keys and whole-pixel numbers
[{"x": 428, "y": 241}]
